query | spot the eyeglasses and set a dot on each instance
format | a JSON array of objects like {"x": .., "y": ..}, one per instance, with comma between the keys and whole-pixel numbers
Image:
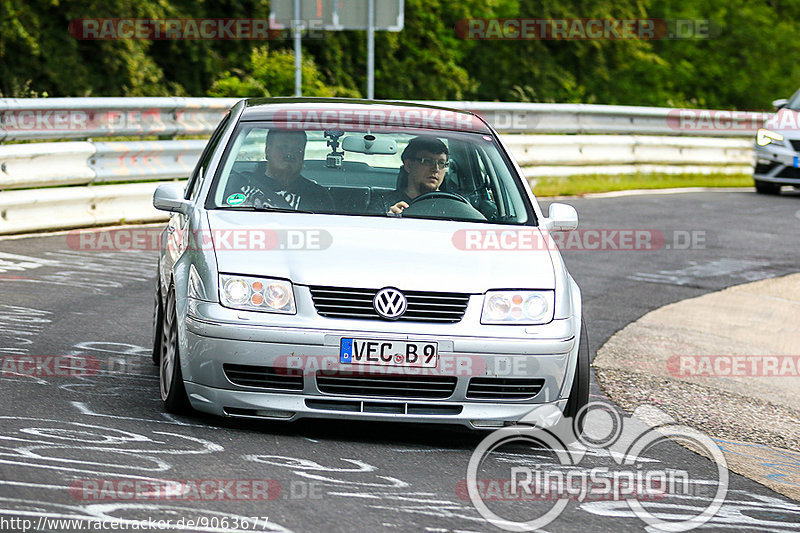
[{"x": 431, "y": 163}]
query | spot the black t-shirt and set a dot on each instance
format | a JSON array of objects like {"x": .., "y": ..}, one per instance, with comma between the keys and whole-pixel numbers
[{"x": 260, "y": 190}]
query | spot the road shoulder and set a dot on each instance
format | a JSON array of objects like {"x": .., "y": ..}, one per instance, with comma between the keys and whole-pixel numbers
[{"x": 704, "y": 361}]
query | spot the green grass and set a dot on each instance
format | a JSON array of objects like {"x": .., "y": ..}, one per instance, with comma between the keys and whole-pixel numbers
[{"x": 577, "y": 185}]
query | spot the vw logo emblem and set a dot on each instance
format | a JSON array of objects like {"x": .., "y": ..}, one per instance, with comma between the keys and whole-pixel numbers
[{"x": 390, "y": 303}]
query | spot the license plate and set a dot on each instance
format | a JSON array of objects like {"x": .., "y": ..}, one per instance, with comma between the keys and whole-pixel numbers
[
  {"x": 796, "y": 162},
  {"x": 388, "y": 353}
]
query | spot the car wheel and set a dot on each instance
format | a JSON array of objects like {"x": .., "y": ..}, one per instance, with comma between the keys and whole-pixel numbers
[
  {"x": 173, "y": 391},
  {"x": 579, "y": 395},
  {"x": 765, "y": 187},
  {"x": 158, "y": 319}
]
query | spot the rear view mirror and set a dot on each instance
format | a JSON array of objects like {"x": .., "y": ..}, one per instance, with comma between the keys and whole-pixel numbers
[{"x": 369, "y": 144}]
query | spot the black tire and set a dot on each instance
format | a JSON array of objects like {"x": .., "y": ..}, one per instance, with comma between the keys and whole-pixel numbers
[
  {"x": 579, "y": 394},
  {"x": 170, "y": 377},
  {"x": 158, "y": 319},
  {"x": 765, "y": 187}
]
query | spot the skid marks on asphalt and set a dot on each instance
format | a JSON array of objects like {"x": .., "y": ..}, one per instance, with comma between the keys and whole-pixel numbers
[
  {"x": 95, "y": 272},
  {"x": 354, "y": 479},
  {"x": 19, "y": 327},
  {"x": 743, "y": 510},
  {"x": 72, "y": 458},
  {"x": 695, "y": 273}
]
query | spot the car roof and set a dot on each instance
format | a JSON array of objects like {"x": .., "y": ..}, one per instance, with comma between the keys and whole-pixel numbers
[{"x": 332, "y": 112}]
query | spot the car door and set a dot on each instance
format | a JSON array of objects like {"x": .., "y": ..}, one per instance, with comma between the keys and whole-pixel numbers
[{"x": 179, "y": 231}]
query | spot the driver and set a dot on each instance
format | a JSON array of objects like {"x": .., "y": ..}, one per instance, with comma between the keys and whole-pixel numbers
[
  {"x": 425, "y": 162},
  {"x": 279, "y": 184}
]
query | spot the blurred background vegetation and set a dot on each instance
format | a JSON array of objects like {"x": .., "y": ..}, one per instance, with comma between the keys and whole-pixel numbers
[{"x": 749, "y": 60}]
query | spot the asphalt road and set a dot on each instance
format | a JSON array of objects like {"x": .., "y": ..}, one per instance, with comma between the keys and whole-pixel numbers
[{"x": 69, "y": 444}]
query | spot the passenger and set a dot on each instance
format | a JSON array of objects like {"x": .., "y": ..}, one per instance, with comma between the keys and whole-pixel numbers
[
  {"x": 279, "y": 184},
  {"x": 425, "y": 162}
]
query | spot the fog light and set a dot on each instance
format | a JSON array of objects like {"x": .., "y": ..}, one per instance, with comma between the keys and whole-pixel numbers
[
  {"x": 274, "y": 413},
  {"x": 488, "y": 423}
]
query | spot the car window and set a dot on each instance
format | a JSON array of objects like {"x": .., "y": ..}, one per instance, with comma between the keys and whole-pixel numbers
[
  {"x": 200, "y": 169},
  {"x": 794, "y": 101},
  {"x": 364, "y": 173}
]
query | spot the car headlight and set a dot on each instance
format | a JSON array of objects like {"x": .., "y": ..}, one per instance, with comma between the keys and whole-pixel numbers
[
  {"x": 518, "y": 307},
  {"x": 256, "y": 294},
  {"x": 765, "y": 136}
]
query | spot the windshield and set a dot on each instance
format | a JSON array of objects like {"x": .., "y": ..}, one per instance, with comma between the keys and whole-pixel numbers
[
  {"x": 403, "y": 173},
  {"x": 794, "y": 102}
]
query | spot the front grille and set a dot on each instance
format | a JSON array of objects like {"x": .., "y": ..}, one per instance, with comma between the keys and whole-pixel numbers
[
  {"x": 386, "y": 386},
  {"x": 789, "y": 172},
  {"x": 795, "y": 144},
  {"x": 764, "y": 168},
  {"x": 265, "y": 377},
  {"x": 384, "y": 407},
  {"x": 504, "y": 388},
  {"x": 338, "y": 302}
]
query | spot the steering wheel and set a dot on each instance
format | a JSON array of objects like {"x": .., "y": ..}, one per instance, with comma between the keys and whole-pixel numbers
[
  {"x": 439, "y": 194},
  {"x": 456, "y": 206}
]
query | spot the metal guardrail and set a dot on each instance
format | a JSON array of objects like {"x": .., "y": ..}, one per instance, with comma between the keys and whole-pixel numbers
[
  {"x": 75, "y": 207},
  {"x": 549, "y": 155},
  {"x": 81, "y": 118},
  {"x": 144, "y": 160},
  {"x": 602, "y": 140},
  {"x": 512, "y": 117}
]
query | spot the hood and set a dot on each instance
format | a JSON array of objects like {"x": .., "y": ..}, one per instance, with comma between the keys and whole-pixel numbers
[{"x": 374, "y": 252}]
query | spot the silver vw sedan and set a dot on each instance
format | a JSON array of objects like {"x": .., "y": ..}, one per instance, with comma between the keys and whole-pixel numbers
[{"x": 364, "y": 260}]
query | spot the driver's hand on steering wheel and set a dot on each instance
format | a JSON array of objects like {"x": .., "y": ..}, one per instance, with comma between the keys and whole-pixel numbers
[{"x": 397, "y": 209}]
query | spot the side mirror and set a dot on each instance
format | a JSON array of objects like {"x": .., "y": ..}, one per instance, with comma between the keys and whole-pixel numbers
[
  {"x": 169, "y": 197},
  {"x": 779, "y": 103},
  {"x": 561, "y": 217}
]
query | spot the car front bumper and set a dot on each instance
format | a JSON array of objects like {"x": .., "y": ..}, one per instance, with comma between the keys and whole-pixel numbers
[
  {"x": 777, "y": 164},
  {"x": 310, "y": 354}
]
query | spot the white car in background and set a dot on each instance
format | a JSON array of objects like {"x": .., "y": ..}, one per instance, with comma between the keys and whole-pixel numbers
[{"x": 777, "y": 148}]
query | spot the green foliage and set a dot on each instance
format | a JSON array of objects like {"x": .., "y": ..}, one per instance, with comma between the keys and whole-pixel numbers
[
  {"x": 579, "y": 185},
  {"x": 747, "y": 61},
  {"x": 275, "y": 70},
  {"x": 237, "y": 85},
  {"x": 271, "y": 73}
]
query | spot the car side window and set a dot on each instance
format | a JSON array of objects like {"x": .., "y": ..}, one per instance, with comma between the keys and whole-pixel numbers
[{"x": 202, "y": 165}]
